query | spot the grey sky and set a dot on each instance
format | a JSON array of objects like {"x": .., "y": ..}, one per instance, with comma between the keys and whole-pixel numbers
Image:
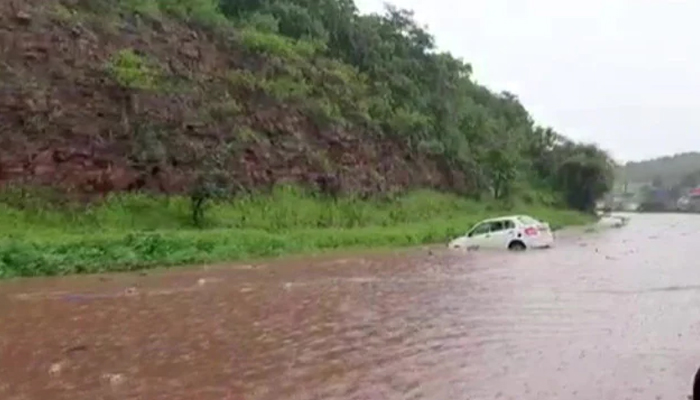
[{"x": 622, "y": 73}]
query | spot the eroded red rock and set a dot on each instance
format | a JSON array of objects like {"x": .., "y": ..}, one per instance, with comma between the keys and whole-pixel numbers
[{"x": 57, "y": 98}]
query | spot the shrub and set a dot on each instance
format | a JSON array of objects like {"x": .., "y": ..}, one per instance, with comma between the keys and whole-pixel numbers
[
  {"x": 146, "y": 8},
  {"x": 276, "y": 45},
  {"x": 133, "y": 71},
  {"x": 204, "y": 13}
]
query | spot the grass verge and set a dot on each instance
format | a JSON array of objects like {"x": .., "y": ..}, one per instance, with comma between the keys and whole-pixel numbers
[{"x": 127, "y": 233}]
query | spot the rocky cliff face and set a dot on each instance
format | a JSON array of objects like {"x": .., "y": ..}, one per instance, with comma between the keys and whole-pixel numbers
[{"x": 65, "y": 121}]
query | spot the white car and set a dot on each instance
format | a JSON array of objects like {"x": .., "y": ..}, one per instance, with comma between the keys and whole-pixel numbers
[{"x": 515, "y": 232}]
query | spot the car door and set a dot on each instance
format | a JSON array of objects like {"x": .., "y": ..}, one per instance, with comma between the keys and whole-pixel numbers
[
  {"x": 496, "y": 236},
  {"x": 479, "y": 236},
  {"x": 501, "y": 233}
]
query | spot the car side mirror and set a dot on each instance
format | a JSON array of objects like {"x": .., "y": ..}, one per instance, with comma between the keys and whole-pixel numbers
[{"x": 470, "y": 234}]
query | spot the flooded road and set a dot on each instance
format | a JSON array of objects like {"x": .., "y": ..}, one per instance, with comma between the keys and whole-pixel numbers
[{"x": 608, "y": 315}]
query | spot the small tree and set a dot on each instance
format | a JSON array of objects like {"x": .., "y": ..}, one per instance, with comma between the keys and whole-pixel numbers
[
  {"x": 212, "y": 182},
  {"x": 585, "y": 176},
  {"x": 208, "y": 186}
]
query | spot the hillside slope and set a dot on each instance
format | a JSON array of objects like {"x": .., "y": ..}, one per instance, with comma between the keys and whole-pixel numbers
[
  {"x": 66, "y": 120},
  {"x": 102, "y": 96}
]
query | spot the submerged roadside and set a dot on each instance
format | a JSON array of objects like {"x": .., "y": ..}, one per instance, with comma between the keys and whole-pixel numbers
[{"x": 140, "y": 232}]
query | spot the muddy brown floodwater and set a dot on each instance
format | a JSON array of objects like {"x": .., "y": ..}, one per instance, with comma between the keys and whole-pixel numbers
[{"x": 608, "y": 315}]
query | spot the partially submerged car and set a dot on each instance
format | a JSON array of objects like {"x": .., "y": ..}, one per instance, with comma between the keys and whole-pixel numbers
[{"x": 514, "y": 232}]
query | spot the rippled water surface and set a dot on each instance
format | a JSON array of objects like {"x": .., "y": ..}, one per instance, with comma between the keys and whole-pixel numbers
[{"x": 609, "y": 315}]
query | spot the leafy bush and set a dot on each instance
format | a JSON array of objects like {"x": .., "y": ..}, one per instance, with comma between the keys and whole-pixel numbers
[
  {"x": 225, "y": 109},
  {"x": 63, "y": 14},
  {"x": 133, "y": 71},
  {"x": 204, "y": 13},
  {"x": 275, "y": 45},
  {"x": 146, "y": 8}
]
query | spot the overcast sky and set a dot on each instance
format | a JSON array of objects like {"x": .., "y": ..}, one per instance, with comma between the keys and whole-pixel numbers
[{"x": 622, "y": 73}]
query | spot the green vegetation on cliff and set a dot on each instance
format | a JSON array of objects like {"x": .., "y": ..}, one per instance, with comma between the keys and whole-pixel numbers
[{"x": 220, "y": 102}]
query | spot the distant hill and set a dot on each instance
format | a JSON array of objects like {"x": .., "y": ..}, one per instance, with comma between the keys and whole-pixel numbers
[{"x": 670, "y": 169}]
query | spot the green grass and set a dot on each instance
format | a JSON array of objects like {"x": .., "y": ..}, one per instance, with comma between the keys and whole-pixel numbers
[{"x": 126, "y": 233}]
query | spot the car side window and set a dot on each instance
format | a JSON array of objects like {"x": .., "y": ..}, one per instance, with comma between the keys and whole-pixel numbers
[
  {"x": 498, "y": 226},
  {"x": 509, "y": 224},
  {"x": 480, "y": 229}
]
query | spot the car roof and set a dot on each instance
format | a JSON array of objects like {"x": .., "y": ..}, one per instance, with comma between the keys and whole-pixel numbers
[{"x": 507, "y": 217}]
